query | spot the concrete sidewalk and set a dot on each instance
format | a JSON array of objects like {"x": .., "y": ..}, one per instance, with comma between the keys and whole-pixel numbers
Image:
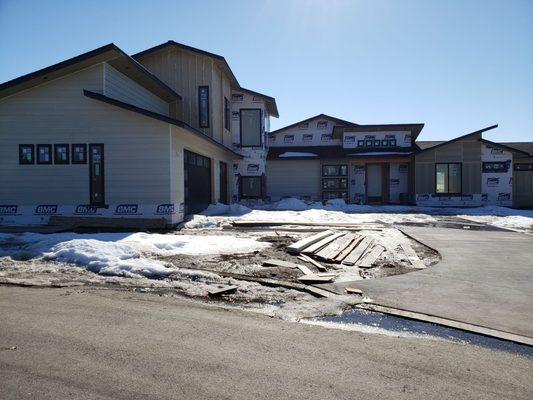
[{"x": 484, "y": 278}]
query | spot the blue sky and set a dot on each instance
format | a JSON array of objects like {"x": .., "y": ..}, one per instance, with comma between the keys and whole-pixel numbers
[{"x": 455, "y": 65}]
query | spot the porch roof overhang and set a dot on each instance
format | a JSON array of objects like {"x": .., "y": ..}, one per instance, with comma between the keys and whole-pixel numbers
[{"x": 336, "y": 152}]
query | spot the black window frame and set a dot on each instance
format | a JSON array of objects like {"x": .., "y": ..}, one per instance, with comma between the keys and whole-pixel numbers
[
  {"x": 360, "y": 143},
  {"x": 392, "y": 143},
  {"x": 385, "y": 142},
  {"x": 523, "y": 166},
  {"x": 486, "y": 169},
  {"x": 260, "y": 126},
  {"x": 241, "y": 184},
  {"x": 56, "y": 160},
  {"x": 448, "y": 193},
  {"x": 200, "y": 88},
  {"x": 227, "y": 114},
  {"x": 72, "y": 158},
  {"x": 338, "y": 166},
  {"x": 22, "y": 161},
  {"x": 50, "y": 154}
]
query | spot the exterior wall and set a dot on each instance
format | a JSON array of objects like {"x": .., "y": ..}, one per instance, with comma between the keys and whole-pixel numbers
[
  {"x": 317, "y": 132},
  {"x": 357, "y": 186},
  {"x": 294, "y": 178},
  {"x": 254, "y": 161},
  {"x": 179, "y": 140},
  {"x": 120, "y": 87},
  {"x": 398, "y": 182},
  {"x": 497, "y": 187},
  {"x": 467, "y": 152},
  {"x": 184, "y": 71},
  {"x": 136, "y": 154},
  {"x": 523, "y": 185},
  {"x": 402, "y": 138}
]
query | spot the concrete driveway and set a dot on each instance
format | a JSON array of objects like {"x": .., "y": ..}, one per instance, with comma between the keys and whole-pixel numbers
[{"x": 485, "y": 278}]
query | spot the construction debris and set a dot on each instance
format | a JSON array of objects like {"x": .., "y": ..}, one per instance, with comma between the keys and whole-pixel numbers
[
  {"x": 280, "y": 263},
  {"x": 302, "y": 244},
  {"x": 359, "y": 250},
  {"x": 315, "y": 278},
  {"x": 320, "y": 244},
  {"x": 224, "y": 290},
  {"x": 350, "y": 290},
  {"x": 319, "y": 266},
  {"x": 368, "y": 260},
  {"x": 412, "y": 256}
]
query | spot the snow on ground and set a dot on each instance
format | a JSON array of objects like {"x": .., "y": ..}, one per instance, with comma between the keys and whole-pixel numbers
[
  {"x": 121, "y": 254},
  {"x": 292, "y": 210}
]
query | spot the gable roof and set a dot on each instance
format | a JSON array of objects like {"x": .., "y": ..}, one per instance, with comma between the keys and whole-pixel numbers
[
  {"x": 109, "y": 53},
  {"x": 440, "y": 144},
  {"x": 160, "y": 117},
  {"x": 221, "y": 62},
  {"x": 523, "y": 146},
  {"x": 319, "y": 116}
]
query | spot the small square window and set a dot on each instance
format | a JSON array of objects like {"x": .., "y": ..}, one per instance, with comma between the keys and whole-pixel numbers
[
  {"x": 385, "y": 143},
  {"x": 26, "y": 155},
  {"x": 369, "y": 143},
  {"x": 44, "y": 154},
  {"x": 360, "y": 143},
  {"x": 79, "y": 153},
  {"x": 392, "y": 142},
  {"x": 61, "y": 154},
  {"x": 377, "y": 143}
]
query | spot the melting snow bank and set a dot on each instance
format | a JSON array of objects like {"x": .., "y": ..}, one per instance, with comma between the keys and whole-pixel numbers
[
  {"x": 292, "y": 210},
  {"x": 121, "y": 254}
]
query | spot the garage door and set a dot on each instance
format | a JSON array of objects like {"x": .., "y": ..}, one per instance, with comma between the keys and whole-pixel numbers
[
  {"x": 197, "y": 175},
  {"x": 523, "y": 185},
  {"x": 298, "y": 178}
]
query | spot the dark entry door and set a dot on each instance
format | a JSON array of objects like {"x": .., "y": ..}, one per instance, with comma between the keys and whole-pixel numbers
[
  {"x": 96, "y": 178},
  {"x": 223, "y": 182},
  {"x": 197, "y": 176}
]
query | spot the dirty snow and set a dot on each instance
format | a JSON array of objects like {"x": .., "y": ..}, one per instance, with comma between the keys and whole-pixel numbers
[
  {"x": 120, "y": 254},
  {"x": 292, "y": 210}
]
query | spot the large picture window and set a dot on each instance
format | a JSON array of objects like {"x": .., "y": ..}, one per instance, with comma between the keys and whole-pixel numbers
[
  {"x": 448, "y": 179},
  {"x": 250, "y": 127},
  {"x": 251, "y": 187},
  {"x": 203, "y": 106}
]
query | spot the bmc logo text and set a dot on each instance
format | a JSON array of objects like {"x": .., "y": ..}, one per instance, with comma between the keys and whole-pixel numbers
[
  {"x": 8, "y": 210},
  {"x": 86, "y": 209},
  {"x": 252, "y": 168},
  {"x": 495, "y": 151},
  {"x": 394, "y": 182},
  {"x": 349, "y": 139},
  {"x": 504, "y": 196},
  {"x": 288, "y": 138},
  {"x": 493, "y": 181},
  {"x": 326, "y": 137},
  {"x": 422, "y": 197},
  {"x": 46, "y": 209},
  {"x": 125, "y": 209},
  {"x": 165, "y": 209}
]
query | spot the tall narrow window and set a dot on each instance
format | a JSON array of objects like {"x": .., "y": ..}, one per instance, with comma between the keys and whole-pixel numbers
[
  {"x": 61, "y": 154},
  {"x": 26, "y": 155},
  {"x": 250, "y": 127},
  {"x": 79, "y": 153},
  {"x": 227, "y": 122},
  {"x": 448, "y": 178},
  {"x": 203, "y": 106},
  {"x": 44, "y": 154}
]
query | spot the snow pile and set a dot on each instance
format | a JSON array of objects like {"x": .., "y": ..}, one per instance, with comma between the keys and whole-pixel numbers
[{"x": 120, "y": 253}]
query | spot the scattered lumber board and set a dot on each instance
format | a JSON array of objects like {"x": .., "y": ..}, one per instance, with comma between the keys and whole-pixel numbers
[
  {"x": 329, "y": 252},
  {"x": 315, "y": 278},
  {"x": 365, "y": 226},
  {"x": 352, "y": 258},
  {"x": 343, "y": 254},
  {"x": 305, "y": 243},
  {"x": 412, "y": 256},
  {"x": 280, "y": 263},
  {"x": 305, "y": 270},
  {"x": 318, "y": 245},
  {"x": 224, "y": 290},
  {"x": 371, "y": 257},
  {"x": 351, "y": 290},
  {"x": 344, "y": 243},
  {"x": 304, "y": 257}
]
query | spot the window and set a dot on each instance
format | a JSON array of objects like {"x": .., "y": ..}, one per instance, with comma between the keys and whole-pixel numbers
[
  {"x": 26, "y": 154},
  {"x": 369, "y": 143},
  {"x": 392, "y": 142},
  {"x": 385, "y": 142},
  {"x": 227, "y": 122},
  {"x": 44, "y": 154},
  {"x": 334, "y": 183},
  {"x": 250, "y": 127},
  {"x": 203, "y": 106},
  {"x": 523, "y": 167},
  {"x": 79, "y": 154},
  {"x": 251, "y": 187},
  {"x": 360, "y": 143},
  {"x": 495, "y": 166},
  {"x": 377, "y": 143},
  {"x": 335, "y": 170},
  {"x": 61, "y": 154},
  {"x": 448, "y": 178}
]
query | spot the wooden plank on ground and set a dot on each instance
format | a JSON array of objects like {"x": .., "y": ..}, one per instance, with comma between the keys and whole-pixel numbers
[
  {"x": 332, "y": 247},
  {"x": 318, "y": 245},
  {"x": 305, "y": 270},
  {"x": 304, "y": 257},
  {"x": 343, "y": 254},
  {"x": 280, "y": 263},
  {"x": 371, "y": 257},
  {"x": 308, "y": 241},
  {"x": 352, "y": 258},
  {"x": 342, "y": 245},
  {"x": 314, "y": 278},
  {"x": 351, "y": 290},
  {"x": 356, "y": 226},
  {"x": 412, "y": 256},
  {"x": 224, "y": 290}
]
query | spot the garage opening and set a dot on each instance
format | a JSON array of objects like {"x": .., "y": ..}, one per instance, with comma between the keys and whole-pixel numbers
[{"x": 197, "y": 175}]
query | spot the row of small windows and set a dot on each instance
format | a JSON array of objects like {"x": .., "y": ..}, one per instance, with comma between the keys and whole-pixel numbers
[
  {"x": 376, "y": 143},
  {"x": 62, "y": 154}
]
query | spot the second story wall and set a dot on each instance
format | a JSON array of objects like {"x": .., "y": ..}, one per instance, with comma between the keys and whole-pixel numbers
[
  {"x": 315, "y": 132},
  {"x": 377, "y": 141}
]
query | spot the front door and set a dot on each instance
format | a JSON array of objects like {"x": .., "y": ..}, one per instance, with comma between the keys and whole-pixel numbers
[
  {"x": 374, "y": 184},
  {"x": 223, "y": 182},
  {"x": 197, "y": 182},
  {"x": 96, "y": 179}
]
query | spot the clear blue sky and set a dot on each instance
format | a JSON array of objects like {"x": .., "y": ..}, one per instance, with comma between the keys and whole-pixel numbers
[{"x": 456, "y": 65}]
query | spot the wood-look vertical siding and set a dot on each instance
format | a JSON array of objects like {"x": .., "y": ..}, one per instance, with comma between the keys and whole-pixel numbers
[
  {"x": 120, "y": 87},
  {"x": 136, "y": 147},
  {"x": 466, "y": 151},
  {"x": 523, "y": 185}
]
